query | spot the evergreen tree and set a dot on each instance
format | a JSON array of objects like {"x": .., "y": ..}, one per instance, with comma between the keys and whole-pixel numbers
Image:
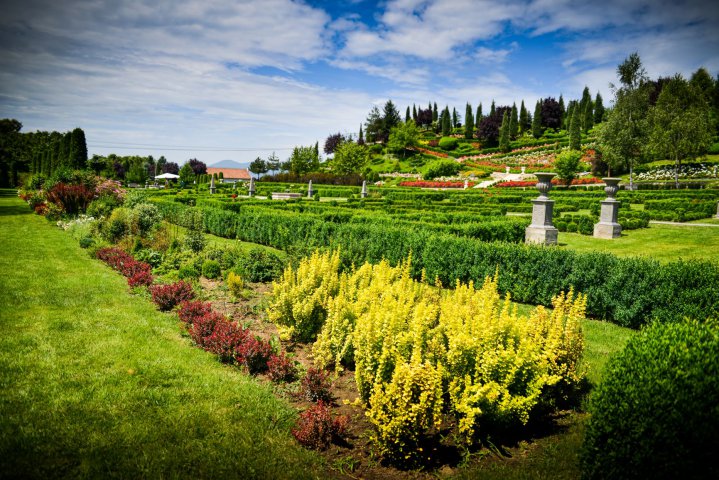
[
  {"x": 524, "y": 125},
  {"x": 446, "y": 122},
  {"x": 479, "y": 116},
  {"x": 78, "y": 149},
  {"x": 455, "y": 118},
  {"x": 588, "y": 116},
  {"x": 360, "y": 139},
  {"x": 586, "y": 97},
  {"x": 373, "y": 125},
  {"x": 435, "y": 113},
  {"x": 406, "y": 115},
  {"x": 390, "y": 119},
  {"x": 64, "y": 157},
  {"x": 317, "y": 152},
  {"x": 492, "y": 109},
  {"x": 575, "y": 135},
  {"x": 414, "y": 113},
  {"x": 570, "y": 111},
  {"x": 598, "y": 109},
  {"x": 468, "y": 122},
  {"x": 504, "y": 132},
  {"x": 537, "y": 120},
  {"x": 513, "y": 122},
  {"x": 562, "y": 110}
]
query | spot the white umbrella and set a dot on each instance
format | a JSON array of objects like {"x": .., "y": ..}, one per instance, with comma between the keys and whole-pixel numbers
[{"x": 167, "y": 176}]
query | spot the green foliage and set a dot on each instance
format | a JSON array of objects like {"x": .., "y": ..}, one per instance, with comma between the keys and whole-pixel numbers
[
  {"x": 118, "y": 225},
  {"x": 441, "y": 168},
  {"x": 447, "y": 143},
  {"x": 350, "y": 157},
  {"x": 188, "y": 272},
  {"x": 504, "y": 132},
  {"x": 303, "y": 160},
  {"x": 567, "y": 165},
  {"x": 656, "y": 409},
  {"x": 211, "y": 269},
  {"x": 537, "y": 121},
  {"x": 575, "y": 134},
  {"x": 403, "y": 136},
  {"x": 144, "y": 217},
  {"x": 259, "y": 265}
]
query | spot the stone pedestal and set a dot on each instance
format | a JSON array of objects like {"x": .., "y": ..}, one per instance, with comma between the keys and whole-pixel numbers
[
  {"x": 364, "y": 189},
  {"x": 212, "y": 186},
  {"x": 541, "y": 230},
  {"x": 252, "y": 187},
  {"x": 310, "y": 191},
  {"x": 608, "y": 226},
  {"x": 717, "y": 215}
]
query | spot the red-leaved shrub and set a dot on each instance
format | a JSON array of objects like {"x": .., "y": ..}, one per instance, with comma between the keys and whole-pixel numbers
[
  {"x": 143, "y": 278},
  {"x": 225, "y": 339},
  {"x": 281, "y": 369},
  {"x": 191, "y": 309},
  {"x": 254, "y": 354},
  {"x": 316, "y": 385},
  {"x": 203, "y": 326},
  {"x": 317, "y": 429},
  {"x": 72, "y": 199},
  {"x": 167, "y": 296}
]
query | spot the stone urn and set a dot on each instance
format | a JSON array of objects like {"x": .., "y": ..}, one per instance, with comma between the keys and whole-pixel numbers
[
  {"x": 544, "y": 183},
  {"x": 612, "y": 186}
]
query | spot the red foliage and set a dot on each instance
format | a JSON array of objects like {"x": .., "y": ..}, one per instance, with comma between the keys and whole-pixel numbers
[
  {"x": 427, "y": 184},
  {"x": 191, "y": 310},
  {"x": 142, "y": 278},
  {"x": 281, "y": 368},
  {"x": 166, "y": 297},
  {"x": 216, "y": 334},
  {"x": 137, "y": 273},
  {"x": 317, "y": 429},
  {"x": 253, "y": 353},
  {"x": 316, "y": 385},
  {"x": 71, "y": 198}
]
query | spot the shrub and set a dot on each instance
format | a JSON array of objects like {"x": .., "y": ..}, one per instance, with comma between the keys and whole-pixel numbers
[
  {"x": 281, "y": 369},
  {"x": 225, "y": 339},
  {"x": 142, "y": 278},
  {"x": 118, "y": 225},
  {"x": 144, "y": 217},
  {"x": 656, "y": 410},
  {"x": 235, "y": 284},
  {"x": 448, "y": 143},
  {"x": 188, "y": 272},
  {"x": 211, "y": 269},
  {"x": 203, "y": 326},
  {"x": 86, "y": 242},
  {"x": 190, "y": 310},
  {"x": 72, "y": 199},
  {"x": 259, "y": 265},
  {"x": 166, "y": 297},
  {"x": 317, "y": 429},
  {"x": 253, "y": 353},
  {"x": 316, "y": 386},
  {"x": 441, "y": 168}
]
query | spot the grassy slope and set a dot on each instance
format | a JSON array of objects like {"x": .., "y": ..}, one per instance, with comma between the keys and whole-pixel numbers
[
  {"x": 96, "y": 383},
  {"x": 662, "y": 242}
]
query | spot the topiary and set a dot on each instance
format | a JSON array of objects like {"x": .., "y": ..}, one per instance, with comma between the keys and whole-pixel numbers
[
  {"x": 656, "y": 410},
  {"x": 448, "y": 143},
  {"x": 188, "y": 272},
  {"x": 211, "y": 269}
]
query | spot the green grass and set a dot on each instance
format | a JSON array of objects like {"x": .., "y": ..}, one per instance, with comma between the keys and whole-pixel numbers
[
  {"x": 95, "y": 383},
  {"x": 177, "y": 231},
  {"x": 661, "y": 242}
]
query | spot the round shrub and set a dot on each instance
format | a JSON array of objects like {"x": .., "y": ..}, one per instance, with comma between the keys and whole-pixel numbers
[
  {"x": 260, "y": 265},
  {"x": 211, "y": 269},
  {"x": 448, "y": 143},
  {"x": 188, "y": 272},
  {"x": 86, "y": 242},
  {"x": 656, "y": 412},
  {"x": 441, "y": 168}
]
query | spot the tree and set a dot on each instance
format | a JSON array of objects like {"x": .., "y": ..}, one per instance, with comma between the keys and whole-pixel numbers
[
  {"x": 504, "y": 133},
  {"x": 588, "y": 117},
  {"x": 551, "y": 114},
  {"x": 258, "y": 167},
  {"x": 187, "y": 176},
  {"x": 10, "y": 151},
  {"x": 373, "y": 125},
  {"x": 333, "y": 141},
  {"x": 198, "y": 167},
  {"x": 680, "y": 123},
  {"x": 524, "y": 124},
  {"x": 352, "y": 158},
  {"x": 537, "y": 120},
  {"x": 390, "y": 119},
  {"x": 424, "y": 117},
  {"x": 406, "y": 115},
  {"x": 562, "y": 110},
  {"x": 446, "y": 122},
  {"x": 489, "y": 127},
  {"x": 513, "y": 122},
  {"x": 303, "y": 160},
  {"x": 78, "y": 149},
  {"x": 434, "y": 113},
  {"x": 456, "y": 121},
  {"x": 414, "y": 113},
  {"x": 273, "y": 162},
  {"x": 567, "y": 165},
  {"x": 623, "y": 136},
  {"x": 479, "y": 116},
  {"x": 586, "y": 97},
  {"x": 468, "y": 122},
  {"x": 403, "y": 136},
  {"x": 598, "y": 109},
  {"x": 575, "y": 133},
  {"x": 360, "y": 138},
  {"x": 492, "y": 109}
]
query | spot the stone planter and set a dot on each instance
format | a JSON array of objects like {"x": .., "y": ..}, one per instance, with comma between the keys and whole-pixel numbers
[
  {"x": 541, "y": 230},
  {"x": 608, "y": 227}
]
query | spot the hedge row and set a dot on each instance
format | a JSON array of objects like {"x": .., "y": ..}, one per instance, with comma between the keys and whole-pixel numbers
[{"x": 627, "y": 291}]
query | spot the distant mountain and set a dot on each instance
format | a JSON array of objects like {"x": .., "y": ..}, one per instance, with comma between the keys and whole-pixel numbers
[{"x": 230, "y": 164}]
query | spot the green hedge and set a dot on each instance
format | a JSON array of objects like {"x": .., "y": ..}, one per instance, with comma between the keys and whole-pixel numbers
[{"x": 627, "y": 291}]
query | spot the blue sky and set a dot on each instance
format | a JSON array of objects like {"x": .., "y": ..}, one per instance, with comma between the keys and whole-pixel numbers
[{"x": 216, "y": 79}]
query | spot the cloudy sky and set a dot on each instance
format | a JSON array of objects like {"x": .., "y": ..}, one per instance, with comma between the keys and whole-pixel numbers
[{"x": 221, "y": 79}]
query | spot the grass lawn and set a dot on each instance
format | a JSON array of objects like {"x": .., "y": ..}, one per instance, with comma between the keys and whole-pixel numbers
[
  {"x": 662, "y": 242},
  {"x": 95, "y": 383}
]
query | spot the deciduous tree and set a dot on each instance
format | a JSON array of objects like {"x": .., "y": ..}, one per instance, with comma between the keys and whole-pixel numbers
[{"x": 352, "y": 158}]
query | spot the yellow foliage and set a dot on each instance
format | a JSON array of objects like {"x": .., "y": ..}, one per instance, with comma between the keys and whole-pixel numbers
[{"x": 236, "y": 284}]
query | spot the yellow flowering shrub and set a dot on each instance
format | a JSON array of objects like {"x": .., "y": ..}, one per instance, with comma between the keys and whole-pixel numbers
[
  {"x": 236, "y": 285},
  {"x": 301, "y": 296}
]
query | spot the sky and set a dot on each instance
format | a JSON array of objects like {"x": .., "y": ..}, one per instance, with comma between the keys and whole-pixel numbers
[{"x": 220, "y": 79}]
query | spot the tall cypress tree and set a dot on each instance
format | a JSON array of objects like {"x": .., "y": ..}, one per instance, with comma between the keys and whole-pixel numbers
[
  {"x": 414, "y": 113},
  {"x": 598, "y": 109},
  {"x": 523, "y": 120},
  {"x": 479, "y": 116},
  {"x": 588, "y": 116},
  {"x": 65, "y": 154},
  {"x": 492, "y": 109},
  {"x": 446, "y": 122},
  {"x": 360, "y": 139},
  {"x": 406, "y": 115},
  {"x": 78, "y": 149},
  {"x": 537, "y": 120},
  {"x": 468, "y": 122},
  {"x": 513, "y": 122},
  {"x": 504, "y": 133},
  {"x": 435, "y": 114},
  {"x": 575, "y": 135},
  {"x": 562, "y": 110},
  {"x": 455, "y": 118},
  {"x": 586, "y": 97}
]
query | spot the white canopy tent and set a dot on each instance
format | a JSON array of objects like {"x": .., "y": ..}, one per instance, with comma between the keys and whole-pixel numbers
[{"x": 167, "y": 176}]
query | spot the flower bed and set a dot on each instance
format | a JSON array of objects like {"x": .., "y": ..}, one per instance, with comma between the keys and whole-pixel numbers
[{"x": 428, "y": 184}]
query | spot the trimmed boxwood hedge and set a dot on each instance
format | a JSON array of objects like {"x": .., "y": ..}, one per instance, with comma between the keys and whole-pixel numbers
[{"x": 627, "y": 291}]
